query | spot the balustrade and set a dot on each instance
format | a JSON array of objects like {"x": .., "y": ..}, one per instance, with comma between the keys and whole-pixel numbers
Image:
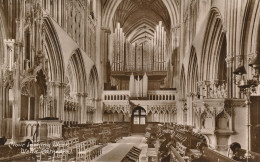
[
  {"x": 115, "y": 95},
  {"x": 161, "y": 95},
  {"x": 167, "y": 95},
  {"x": 43, "y": 129}
]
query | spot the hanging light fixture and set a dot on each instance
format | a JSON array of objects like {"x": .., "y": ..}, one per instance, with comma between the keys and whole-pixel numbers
[
  {"x": 247, "y": 87},
  {"x": 255, "y": 63},
  {"x": 243, "y": 83}
]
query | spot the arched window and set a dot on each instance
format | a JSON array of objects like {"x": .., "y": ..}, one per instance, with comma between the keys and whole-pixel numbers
[{"x": 139, "y": 115}]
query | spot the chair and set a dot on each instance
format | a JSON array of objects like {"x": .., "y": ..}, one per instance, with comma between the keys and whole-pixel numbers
[
  {"x": 61, "y": 152},
  {"x": 82, "y": 152}
]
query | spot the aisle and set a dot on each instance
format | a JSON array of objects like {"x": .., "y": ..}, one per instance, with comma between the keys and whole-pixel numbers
[{"x": 114, "y": 152}]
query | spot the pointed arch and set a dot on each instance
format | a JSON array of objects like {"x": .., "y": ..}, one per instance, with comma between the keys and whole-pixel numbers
[
  {"x": 53, "y": 51},
  {"x": 110, "y": 7},
  {"x": 254, "y": 29},
  {"x": 93, "y": 83},
  {"x": 76, "y": 73},
  {"x": 212, "y": 45},
  {"x": 251, "y": 31}
]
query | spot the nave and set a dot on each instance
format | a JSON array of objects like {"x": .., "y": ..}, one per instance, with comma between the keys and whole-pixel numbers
[{"x": 77, "y": 76}]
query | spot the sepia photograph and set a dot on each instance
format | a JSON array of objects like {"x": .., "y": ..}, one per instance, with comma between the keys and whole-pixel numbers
[{"x": 129, "y": 80}]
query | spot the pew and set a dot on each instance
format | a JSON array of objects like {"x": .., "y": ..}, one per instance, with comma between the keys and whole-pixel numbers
[
  {"x": 211, "y": 155},
  {"x": 181, "y": 149},
  {"x": 132, "y": 155},
  {"x": 176, "y": 154}
]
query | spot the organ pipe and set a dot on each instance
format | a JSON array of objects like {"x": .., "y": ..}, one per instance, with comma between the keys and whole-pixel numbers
[
  {"x": 146, "y": 56},
  {"x": 159, "y": 45}
]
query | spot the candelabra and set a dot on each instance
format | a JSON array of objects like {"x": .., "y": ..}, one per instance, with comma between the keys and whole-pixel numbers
[{"x": 247, "y": 87}]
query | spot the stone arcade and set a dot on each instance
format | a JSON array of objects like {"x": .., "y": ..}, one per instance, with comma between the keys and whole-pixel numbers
[{"x": 176, "y": 79}]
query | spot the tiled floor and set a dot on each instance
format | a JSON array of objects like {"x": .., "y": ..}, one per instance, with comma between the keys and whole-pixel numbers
[{"x": 114, "y": 152}]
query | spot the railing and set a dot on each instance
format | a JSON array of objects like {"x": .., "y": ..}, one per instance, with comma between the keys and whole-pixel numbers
[
  {"x": 161, "y": 95},
  {"x": 165, "y": 95},
  {"x": 46, "y": 129},
  {"x": 116, "y": 95}
]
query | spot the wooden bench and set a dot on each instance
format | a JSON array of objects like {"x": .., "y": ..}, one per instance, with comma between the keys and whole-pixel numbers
[
  {"x": 211, "y": 155},
  {"x": 181, "y": 150},
  {"x": 88, "y": 150},
  {"x": 132, "y": 155}
]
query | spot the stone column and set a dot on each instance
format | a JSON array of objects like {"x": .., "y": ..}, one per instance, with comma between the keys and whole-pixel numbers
[
  {"x": 55, "y": 90},
  {"x": 61, "y": 101},
  {"x": 190, "y": 108},
  {"x": 16, "y": 104},
  {"x": 230, "y": 77},
  {"x": 1, "y": 105},
  {"x": 105, "y": 34},
  {"x": 98, "y": 111},
  {"x": 57, "y": 98},
  {"x": 238, "y": 62},
  {"x": 79, "y": 111},
  {"x": 175, "y": 55},
  {"x": 84, "y": 107}
]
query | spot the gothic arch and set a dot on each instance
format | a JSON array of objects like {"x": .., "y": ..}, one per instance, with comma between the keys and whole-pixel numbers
[
  {"x": 251, "y": 34},
  {"x": 254, "y": 30},
  {"x": 53, "y": 51},
  {"x": 76, "y": 73},
  {"x": 93, "y": 83},
  {"x": 111, "y": 6},
  {"x": 212, "y": 45}
]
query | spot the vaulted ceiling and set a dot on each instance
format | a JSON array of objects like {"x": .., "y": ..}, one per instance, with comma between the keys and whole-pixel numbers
[{"x": 138, "y": 18}]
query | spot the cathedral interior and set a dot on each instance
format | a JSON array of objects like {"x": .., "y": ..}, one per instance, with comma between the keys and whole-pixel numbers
[{"x": 130, "y": 80}]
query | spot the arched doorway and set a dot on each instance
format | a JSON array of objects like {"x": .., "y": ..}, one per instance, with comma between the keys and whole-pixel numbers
[{"x": 138, "y": 120}]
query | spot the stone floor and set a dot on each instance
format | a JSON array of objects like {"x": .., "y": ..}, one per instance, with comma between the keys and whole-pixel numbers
[{"x": 115, "y": 152}]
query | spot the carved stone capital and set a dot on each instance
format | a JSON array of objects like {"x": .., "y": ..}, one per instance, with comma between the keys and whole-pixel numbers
[
  {"x": 229, "y": 60},
  {"x": 106, "y": 30}
]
